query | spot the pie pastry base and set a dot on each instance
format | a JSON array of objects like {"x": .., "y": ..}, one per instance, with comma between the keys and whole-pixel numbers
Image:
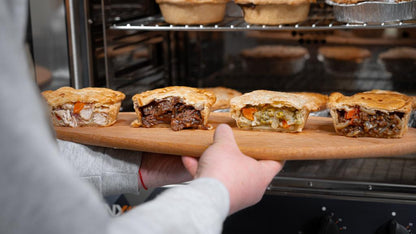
[
  {"x": 273, "y": 14},
  {"x": 192, "y": 13}
]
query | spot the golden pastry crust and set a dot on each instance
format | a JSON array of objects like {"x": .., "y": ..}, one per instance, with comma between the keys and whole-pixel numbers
[
  {"x": 275, "y": 99},
  {"x": 265, "y": 13},
  {"x": 394, "y": 93},
  {"x": 318, "y": 101},
  {"x": 310, "y": 101},
  {"x": 414, "y": 102},
  {"x": 270, "y": 110},
  {"x": 399, "y": 53},
  {"x": 344, "y": 53},
  {"x": 271, "y": 51},
  {"x": 69, "y": 107},
  {"x": 347, "y": 1},
  {"x": 191, "y": 12},
  {"x": 274, "y": 2},
  {"x": 387, "y": 101},
  {"x": 197, "y": 98},
  {"x": 375, "y": 113},
  {"x": 223, "y": 96},
  {"x": 357, "y": 1},
  {"x": 191, "y": 1},
  {"x": 86, "y": 95},
  {"x": 201, "y": 100}
]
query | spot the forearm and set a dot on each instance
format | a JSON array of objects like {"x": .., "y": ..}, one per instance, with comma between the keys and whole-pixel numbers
[
  {"x": 199, "y": 207},
  {"x": 116, "y": 171},
  {"x": 111, "y": 171}
]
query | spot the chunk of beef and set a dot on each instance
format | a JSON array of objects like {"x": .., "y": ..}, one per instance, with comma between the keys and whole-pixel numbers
[{"x": 171, "y": 111}]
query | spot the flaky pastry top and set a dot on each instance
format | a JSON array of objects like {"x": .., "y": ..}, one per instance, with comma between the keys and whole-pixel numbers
[
  {"x": 344, "y": 52},
  {"x": 86, "y": 95},
  {"x": 317, "y": 101},
  {"x": 269, "y": 2},
  {"x": 223, "y": 96},
  {"x": 275, "y": 99},
  {"x": 193, "y": 1},
  {"x": 357, "y": 1},
  {"x": 198, "y": 98},
  {"x": 399, "y": 53},
  {"x": 373, "y": 100},
  {"x": 414, "y": 102},
  {"x": 270, "y": 51}
]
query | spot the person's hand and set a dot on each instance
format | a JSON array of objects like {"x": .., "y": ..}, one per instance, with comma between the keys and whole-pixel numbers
[
  {"x": 162, "y": 169},
  {"x": 245, "y": 178}
]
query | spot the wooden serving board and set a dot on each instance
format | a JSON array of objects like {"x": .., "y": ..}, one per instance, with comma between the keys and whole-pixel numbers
[{"x": 317, "y": 141}]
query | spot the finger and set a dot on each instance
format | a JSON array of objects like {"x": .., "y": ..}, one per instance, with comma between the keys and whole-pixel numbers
[
  {"x": 224, "y": 134},
  {"x": 191, "y": 164}
]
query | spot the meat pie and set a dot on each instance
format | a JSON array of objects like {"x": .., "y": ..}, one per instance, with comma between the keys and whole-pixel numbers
[
  {"x": 178, "y": 107},
  {"x": 223, "y": 96},
  {"x": 70, "y": 107},
  {"x": 376, "y": 113},
  {"x": 275, "y": 111}
]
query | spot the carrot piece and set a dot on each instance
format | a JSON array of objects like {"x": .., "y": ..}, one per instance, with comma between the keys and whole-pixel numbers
[
  {"x": 352, "y": 114},
  {"x": 284, "y": 124},
  {"x": 78, "y": 107},
  {"x": 248, "y": 112},
  {"x": 57, "y": 116}
]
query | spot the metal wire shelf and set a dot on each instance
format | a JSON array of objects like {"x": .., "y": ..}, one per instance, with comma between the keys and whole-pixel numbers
[
  {"x": 320, "y": 18},
  {"x": 382, "y": 178}
]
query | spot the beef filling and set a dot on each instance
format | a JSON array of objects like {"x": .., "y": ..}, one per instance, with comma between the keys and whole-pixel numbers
[
  {"x": 378, "y": 125},
  {"x": 248, "y": 5},
  {"x": 171, "y": 111}
]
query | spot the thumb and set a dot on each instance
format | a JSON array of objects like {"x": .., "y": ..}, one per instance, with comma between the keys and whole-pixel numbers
[
  {"x": 270, "y": 168},
  {"x": 223, "y": 134}
]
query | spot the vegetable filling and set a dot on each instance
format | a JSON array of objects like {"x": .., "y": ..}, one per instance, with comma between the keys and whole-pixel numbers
[{"x": 278, "y": 118}]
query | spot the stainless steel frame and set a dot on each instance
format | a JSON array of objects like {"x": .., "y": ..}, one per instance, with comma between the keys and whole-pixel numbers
[
  {"x": 167, "y": 62},
  {"x": 382, "y": 179},
  {"x": 320, "y": 18},
  {"x": 48, "y": 41},
  {"x": 79, "y": 43}
]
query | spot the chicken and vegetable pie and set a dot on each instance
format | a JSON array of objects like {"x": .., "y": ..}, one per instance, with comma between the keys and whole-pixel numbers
[
  {"x": 177, "y": 106},
  {"x": 376, "y": 113},
  {"x": 275, "y": 111},
  {"x": 69, "y": 107}
]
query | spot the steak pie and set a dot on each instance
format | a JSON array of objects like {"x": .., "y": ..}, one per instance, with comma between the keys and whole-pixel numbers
[
  {"x": 275, "y": 111},
  {"x": 274, "y": 12},
  {"x": 177, "y": 106},
  {"x": 376, "y": 113},
  {"x": 223, "y": 96},
  {"x": 192, "y": 11},
  {"x": 69, "y": 107}
]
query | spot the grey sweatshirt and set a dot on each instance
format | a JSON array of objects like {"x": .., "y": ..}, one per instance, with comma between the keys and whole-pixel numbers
[
  {"x": 41, "y": 193},
  {"x": 110, "y": 171}
]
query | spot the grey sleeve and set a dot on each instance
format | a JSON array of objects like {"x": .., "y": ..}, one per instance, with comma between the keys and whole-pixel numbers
[
  {"x": 111, "y": 171},
  {"x": 199, "y": 207}
]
